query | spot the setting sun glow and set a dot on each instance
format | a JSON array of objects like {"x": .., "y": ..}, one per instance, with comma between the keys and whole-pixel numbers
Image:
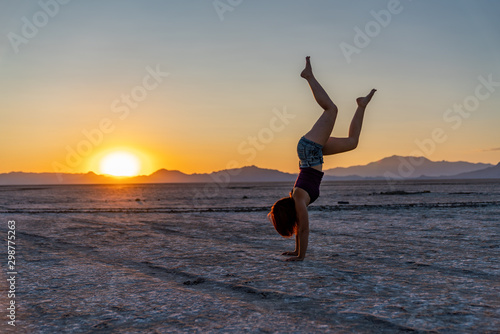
[{"x": 120, "y": 164}]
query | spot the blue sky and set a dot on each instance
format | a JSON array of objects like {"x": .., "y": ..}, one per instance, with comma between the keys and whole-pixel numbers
[{"x": 226, "y": 79}]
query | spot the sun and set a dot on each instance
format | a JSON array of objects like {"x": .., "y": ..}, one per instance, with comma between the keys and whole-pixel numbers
[{"x": 120, "y": 164}]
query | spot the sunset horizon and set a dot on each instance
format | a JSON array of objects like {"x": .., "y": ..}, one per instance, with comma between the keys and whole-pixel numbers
[
  {"x": 389, "y": 170},
  {"x": 409, "y": 160}
]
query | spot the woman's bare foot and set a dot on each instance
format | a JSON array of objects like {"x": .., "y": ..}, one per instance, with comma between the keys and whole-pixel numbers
[
  {"x": 307, "y": 72},
  {"x": 363, "y": 101}
]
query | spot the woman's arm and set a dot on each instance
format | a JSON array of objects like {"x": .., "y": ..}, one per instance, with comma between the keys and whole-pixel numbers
[
  {"x": 302, "y": 236},
  {"x": 296, "y": 251}
]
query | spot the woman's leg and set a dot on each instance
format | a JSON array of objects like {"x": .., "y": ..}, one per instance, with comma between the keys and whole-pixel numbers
[
  {"x": 339, "y": 145},
  {"x": 323, "y": 127}
]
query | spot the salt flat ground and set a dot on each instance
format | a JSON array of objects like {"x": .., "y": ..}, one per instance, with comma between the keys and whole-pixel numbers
[{"x": 373, "y": 270}]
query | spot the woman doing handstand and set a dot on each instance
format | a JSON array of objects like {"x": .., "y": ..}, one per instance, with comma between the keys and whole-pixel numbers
[{"x": 289, "y": 215}]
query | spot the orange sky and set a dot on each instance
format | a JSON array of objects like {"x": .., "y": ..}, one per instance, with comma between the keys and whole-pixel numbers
[{"x": 182, "y": 87}]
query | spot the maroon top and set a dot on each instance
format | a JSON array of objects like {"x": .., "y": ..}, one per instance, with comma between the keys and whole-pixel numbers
[{"x": 309, "y": 180}]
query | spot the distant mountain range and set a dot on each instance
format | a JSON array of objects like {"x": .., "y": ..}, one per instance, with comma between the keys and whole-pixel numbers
[
  {"x": 395, "y": 167},
  {"x": 407, "y": 167}
]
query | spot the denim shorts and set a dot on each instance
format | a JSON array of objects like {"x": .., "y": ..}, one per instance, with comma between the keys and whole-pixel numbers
[{"x": 310, "y": 153}]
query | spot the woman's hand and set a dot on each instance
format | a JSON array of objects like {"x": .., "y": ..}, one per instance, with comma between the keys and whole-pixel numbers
[{"x": 294, "y": 253}]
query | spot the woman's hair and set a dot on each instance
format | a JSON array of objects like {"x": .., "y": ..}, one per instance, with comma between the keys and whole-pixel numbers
[{"x": 283, "y": 216}]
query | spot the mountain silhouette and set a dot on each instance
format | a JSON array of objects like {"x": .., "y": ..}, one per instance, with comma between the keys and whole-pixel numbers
[
  {"x": 407, "y": 167},
  {"x": 396, "y": 167}
]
